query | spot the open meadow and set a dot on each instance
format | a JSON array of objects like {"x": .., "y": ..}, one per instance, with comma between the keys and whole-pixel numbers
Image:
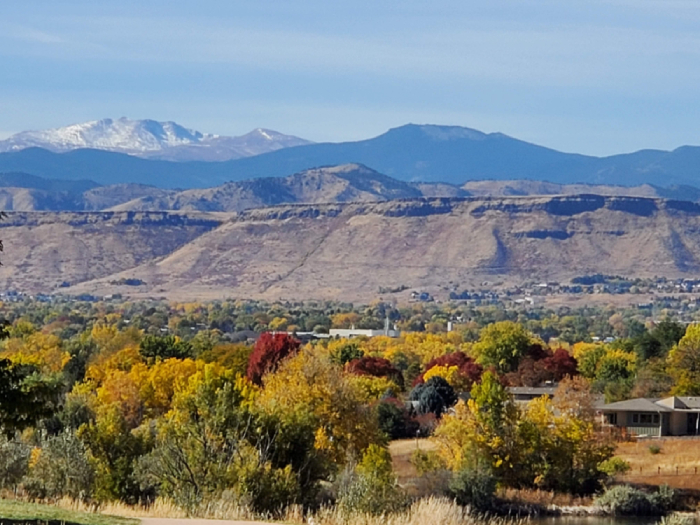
[{"x": 676, "y": 462}]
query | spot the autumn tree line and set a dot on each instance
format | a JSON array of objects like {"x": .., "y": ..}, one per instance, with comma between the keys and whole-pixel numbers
[{"x": 119, "y": 412}]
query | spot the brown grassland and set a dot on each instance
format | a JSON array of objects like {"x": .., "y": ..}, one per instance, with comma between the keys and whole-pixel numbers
[{"x": 677, "y": 464}]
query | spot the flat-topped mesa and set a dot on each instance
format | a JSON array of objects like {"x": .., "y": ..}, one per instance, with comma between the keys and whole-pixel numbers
[
  {"x": 106, "y": 218},
  {"x": 564, "y": 205},
  {"x": 349, "y": 251}
]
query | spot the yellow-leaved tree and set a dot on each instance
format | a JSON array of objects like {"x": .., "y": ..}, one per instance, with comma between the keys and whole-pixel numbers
[
  {"x": 683, "y": 363},
  {"x": 548, "y": 445},
  {"x": 310, "y": 387}
]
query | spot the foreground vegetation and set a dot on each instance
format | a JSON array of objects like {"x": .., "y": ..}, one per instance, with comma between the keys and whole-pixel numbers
[
  {"x": 23, "y": 511},
  {"x": 131, "y": 404}
]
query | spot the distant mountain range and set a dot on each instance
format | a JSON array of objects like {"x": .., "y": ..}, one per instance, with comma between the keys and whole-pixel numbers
[
  {"x": 411, "y": 153},
  {"x": 336, "y": 184},
  {"x": 151, "y": 139}
]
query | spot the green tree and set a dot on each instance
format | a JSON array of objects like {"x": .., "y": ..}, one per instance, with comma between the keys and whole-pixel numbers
[
  {"x": 345, "y": 352},
  {"x": 501, "y": 345},
  {"x": 212, "y": 442},
  {"x": 26, "y": 396},
  {"x": 114, "y": 449},
  {"x": 434, "y": 396},
  {"x": 164, "y": 347}
]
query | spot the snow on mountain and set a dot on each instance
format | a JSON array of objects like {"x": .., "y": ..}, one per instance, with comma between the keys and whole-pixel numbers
[{"x": 151, "y": 139}]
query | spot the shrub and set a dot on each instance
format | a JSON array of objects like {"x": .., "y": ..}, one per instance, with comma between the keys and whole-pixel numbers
[
  {"x": 623, "y": 500},
  {"x": 614, "y": 466},
  {"x": 60, "y": 468},
  {"x": 14, "y": 462},
  {"x": 426, "y": 462},
  {"x": 371, "y": 487},
  {"x": 474, "y": 487},
  {"x": 654, "y": 449},
  {"x": 664, "y": 498}
]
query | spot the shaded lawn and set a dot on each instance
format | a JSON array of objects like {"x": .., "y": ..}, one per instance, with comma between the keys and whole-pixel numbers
[{"x": 20, "y": 511}]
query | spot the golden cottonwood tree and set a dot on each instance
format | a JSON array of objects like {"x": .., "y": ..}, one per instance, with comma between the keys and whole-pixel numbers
[{"x": 308, "y": 385}]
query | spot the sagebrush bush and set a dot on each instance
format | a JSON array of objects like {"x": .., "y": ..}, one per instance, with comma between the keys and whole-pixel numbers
[
  {"x": 623, "y": 500},
  {"x": 371, "y": 487},
  {"x": 664, "y": 498},
  {"x": 60, "y": 469},
  {"x": 654, "y": 449},
  {"x": 474, "y": 487},
  {"x": 14, "y": 462}
]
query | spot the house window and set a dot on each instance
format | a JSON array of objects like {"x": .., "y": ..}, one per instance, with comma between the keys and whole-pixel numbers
[
  {"x": 645, "y": 419},
  {"x": 611, "y": 419}
]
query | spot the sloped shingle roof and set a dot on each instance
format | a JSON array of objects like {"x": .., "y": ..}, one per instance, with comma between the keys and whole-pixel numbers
[{"x": 636, "y": 405}]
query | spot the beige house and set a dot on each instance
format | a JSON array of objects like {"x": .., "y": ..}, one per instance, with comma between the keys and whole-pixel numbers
[{"x": 672, "y": 416}]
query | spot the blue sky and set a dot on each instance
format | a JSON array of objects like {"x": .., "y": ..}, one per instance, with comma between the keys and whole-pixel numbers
[{"x": 596, "y": 77}]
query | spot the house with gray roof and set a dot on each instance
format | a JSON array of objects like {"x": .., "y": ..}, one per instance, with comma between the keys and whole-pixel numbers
[
  {"x": 671, "y": 416},
  {"x": 525, "y": 394}
]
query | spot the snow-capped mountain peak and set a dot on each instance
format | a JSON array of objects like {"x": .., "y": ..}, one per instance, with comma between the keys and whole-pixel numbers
[{"x": 152, "y": 139}]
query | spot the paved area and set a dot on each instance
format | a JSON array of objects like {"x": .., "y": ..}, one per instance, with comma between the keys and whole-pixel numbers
[{"x": 186, "y": 521}]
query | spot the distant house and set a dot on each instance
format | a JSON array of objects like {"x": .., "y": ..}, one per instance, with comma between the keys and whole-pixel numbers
[
  {"x": 358, "y": 332},
  {"x": 524, "y": 394},
  {"x": 672, "y": 416}
]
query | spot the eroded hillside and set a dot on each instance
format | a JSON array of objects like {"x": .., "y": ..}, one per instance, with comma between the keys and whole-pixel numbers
[
  {"x": 349, "y": 251},
  {"x": 44, "y": 250}
]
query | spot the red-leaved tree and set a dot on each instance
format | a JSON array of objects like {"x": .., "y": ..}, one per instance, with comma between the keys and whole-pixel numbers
[
  {"x": 268, "y": 352},
  {"x": 468, "y": 369},
  {"x": 547, "y": 367},
  {"x": 561, "y": 364},
  {"x": 377, "y": 367}
]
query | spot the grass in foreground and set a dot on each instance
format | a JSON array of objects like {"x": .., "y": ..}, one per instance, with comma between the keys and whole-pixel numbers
[{"x": 19, "y": 510}]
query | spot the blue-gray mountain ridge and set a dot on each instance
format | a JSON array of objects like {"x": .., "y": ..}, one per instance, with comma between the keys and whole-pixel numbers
[{"x": 411, "y": 153}]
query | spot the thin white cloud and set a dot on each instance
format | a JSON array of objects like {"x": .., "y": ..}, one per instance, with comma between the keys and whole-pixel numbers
[{"x": 30, "y": 34}]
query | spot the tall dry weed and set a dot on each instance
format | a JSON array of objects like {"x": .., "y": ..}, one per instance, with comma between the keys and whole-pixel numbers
[{"x": 426, "y": 511}]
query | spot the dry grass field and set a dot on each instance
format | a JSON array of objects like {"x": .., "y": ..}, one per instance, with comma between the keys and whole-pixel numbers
[
  {"x": 401, "y": 451},
  {"x": 349, "y": 251},
  {"x": 677, "y": 464}
]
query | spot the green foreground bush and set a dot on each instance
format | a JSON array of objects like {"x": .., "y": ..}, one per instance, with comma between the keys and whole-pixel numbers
[
  {"x": 371, "y": 488},
  {"x": 474, "y": 488},
  {"x": 623, "y": 500}
]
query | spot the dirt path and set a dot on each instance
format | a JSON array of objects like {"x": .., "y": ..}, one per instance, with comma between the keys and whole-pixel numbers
[{"x": 186, "y": 521}]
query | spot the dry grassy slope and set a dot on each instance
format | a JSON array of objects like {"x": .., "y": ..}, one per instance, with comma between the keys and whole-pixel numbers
[
  {"x": 483, "y": 188},
  {"x": 349, "y": 250},
  {"x": 44, "y": 249},
  {"x": 345, "y": 183}
]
